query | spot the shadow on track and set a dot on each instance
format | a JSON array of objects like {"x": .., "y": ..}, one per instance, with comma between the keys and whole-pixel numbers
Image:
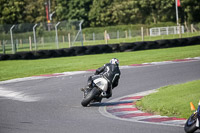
[{"x": 110, "y": 103}]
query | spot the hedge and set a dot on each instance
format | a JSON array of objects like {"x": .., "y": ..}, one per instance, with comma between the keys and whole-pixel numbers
[
  {"x": 100, "y": 49},
  {"x": 97, "y": 30}
]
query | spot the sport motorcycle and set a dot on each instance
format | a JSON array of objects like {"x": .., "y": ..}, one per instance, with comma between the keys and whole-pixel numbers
[
  {"x": 192, "y": 123},
  {"x": 95, "y": 90}
]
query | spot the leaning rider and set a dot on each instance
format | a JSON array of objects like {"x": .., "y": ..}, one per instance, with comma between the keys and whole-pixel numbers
[{"x": 111, "y": 73}]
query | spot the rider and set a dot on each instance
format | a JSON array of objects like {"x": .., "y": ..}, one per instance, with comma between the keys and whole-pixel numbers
[{"x": 111, "y": 73}]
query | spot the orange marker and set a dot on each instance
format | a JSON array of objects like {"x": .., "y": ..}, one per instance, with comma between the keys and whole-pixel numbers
[{"x": 192, "y": 106}]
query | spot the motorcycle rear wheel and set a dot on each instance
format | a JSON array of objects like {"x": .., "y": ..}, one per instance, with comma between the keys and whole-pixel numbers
[
  {"x": 190, "y": 125},
  {"x": 90, "y": 96}
]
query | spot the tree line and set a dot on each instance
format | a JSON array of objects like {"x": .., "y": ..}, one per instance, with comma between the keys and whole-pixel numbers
[{"x": 98, "y": 13}]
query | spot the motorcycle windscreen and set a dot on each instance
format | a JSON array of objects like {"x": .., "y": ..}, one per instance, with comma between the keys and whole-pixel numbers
[{"x": 101, "y": 83}]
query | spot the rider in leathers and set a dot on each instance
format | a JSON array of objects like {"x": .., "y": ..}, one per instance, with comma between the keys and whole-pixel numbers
[{"x": 111, "y": 73}]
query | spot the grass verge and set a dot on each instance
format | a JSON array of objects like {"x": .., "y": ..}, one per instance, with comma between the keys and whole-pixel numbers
[
  {"x": 23, "y": 68},
  {"x": 172, "y": 100}
]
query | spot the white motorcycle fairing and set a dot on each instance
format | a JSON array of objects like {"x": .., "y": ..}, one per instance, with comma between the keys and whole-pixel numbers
[{"x": 101, "y": 83}]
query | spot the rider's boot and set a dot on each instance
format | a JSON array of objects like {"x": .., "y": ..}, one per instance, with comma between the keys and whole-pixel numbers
[{"x": 85, "y": 90}]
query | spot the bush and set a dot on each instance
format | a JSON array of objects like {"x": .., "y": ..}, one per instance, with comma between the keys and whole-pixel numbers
[{"x": 124, "y": 27}]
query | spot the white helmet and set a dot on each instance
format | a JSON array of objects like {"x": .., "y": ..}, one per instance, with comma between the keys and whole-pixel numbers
[{"x": 114, "y": 61}]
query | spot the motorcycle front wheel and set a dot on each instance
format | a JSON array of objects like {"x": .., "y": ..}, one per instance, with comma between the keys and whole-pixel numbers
[
  {"x": 90, "y": 96},
  {"x": 190, "y": 125}
]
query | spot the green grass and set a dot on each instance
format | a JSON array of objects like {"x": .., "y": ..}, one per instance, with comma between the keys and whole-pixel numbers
[
  {"x": 172, "y": 100},
  {"x": 23, "y": 68}
]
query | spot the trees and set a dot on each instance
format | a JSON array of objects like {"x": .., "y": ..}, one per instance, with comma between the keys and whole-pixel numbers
[
  {"x": 158, "y": 11},
  {"x": 34, "y": 11},
  {"x": 112, "y": 12},
  {"x": 190, "y": 10},
  {"x": 73, "y": 10},
  {"x": 11, "y": 12},
  {"x": 99, "y": 12},
  {"x": 62, "y": 9},
  {"x": 79, "y": 10}
]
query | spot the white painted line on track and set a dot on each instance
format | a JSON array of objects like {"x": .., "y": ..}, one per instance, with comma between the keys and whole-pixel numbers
[
  {"x": 198, "y": 58},
  {"x": 18, "y": 96},
  {"x": 124, "y": 67},
  {"x": 176, "y": 122},
  {"x": 21, "y": 79},
  {"x": 42, "y": 77},
  {"x": 162, "y": 63}
]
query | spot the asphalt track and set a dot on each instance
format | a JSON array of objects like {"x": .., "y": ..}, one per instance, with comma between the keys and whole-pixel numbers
[{"x": 52, "y": 105}]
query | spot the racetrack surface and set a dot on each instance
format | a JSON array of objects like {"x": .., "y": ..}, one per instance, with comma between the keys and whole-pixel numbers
[{"x": 52, "y": 105}]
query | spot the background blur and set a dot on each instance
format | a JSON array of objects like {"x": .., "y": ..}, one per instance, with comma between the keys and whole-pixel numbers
[{"x": 27, "y": 25}]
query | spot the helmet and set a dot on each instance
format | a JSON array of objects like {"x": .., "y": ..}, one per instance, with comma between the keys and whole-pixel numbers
[{"x": 114, "y": 61}]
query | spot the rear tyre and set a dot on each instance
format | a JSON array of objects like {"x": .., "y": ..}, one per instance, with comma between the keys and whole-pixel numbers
[
  {"x": 190, "y": 125},
  {"x": 90, "y": 96}
]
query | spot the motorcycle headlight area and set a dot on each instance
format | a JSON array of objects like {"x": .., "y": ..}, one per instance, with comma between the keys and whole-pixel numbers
[{"x": 101, "y": 83}]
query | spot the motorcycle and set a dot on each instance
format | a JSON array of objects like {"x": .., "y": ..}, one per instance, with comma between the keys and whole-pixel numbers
[
  {"x": 192, "y": 123},
  {"x": 95, "y": 90}
]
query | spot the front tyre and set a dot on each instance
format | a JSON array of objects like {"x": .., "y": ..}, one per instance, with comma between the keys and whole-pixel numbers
[
  {"x": 190, "y": 125},
  {"x": 90, "y": 96}
]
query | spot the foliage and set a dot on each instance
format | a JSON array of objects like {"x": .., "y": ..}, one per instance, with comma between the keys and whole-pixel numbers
[
  {"x": 99, "y": 12},
  {"x": 191, "y": 10},
  {"x": 62, "y": 9},
  {"x": 116, "y": 28},
  {"x": 11, "y": 11},
  {"x": 34, "y": 11},
  {"x": 78, "y": 10}
]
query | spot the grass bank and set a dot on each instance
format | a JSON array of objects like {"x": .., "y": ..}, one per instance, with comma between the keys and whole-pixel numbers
[
  {"x": 23, "y": 68},
  {"x": 172, "y": 100}
]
